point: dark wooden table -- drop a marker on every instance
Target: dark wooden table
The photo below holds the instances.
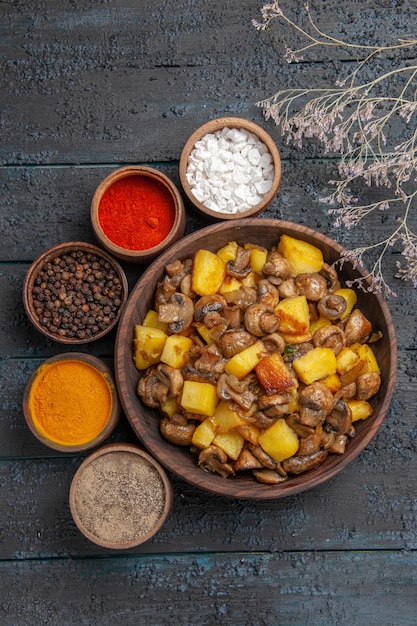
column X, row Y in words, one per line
column 91, row 85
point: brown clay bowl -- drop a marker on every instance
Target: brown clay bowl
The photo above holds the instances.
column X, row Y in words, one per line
column 156, row 177
column 120, row 496
column 48, row 257
column 212, row 127
column 105, row 377
column 145, row 421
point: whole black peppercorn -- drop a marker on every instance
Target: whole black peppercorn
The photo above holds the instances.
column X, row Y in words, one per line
column 68, row 295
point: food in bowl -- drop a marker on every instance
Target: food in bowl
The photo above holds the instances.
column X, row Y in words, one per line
column 74, row 292
column 259, row 360
column 230, row 170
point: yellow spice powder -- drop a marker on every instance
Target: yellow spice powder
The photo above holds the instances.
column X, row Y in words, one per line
column 70, row 402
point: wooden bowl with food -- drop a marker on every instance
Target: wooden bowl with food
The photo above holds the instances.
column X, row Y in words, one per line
column 247, row 365
column 74, row 292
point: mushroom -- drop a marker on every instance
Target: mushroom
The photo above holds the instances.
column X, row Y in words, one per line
column 210, row 360
column 171, row 377
column 329, row 336
column 268, row 476
column 316, row 401
column 340, row 418
column 299, row 464
column 311, row 444
column 276, row 268
column 164, row 291
column 208, row 309
column 339, row 444
column 267, row 293
column 177, row 430
column 178, row 312
column 313, row 286
column 287, row 288
column 331, row 306
column 260, row 320
column 263, row 457
column 331, row 277
column 242, row 297
column 240, row 267
column 246, row 461
column 367, row 385
column 231, row 388
column 177, row 271
column 293, row 421
column 214, row 460
column 150, row 388
column 234, row 340
column 357, row 328
column 274, row 405
column 274, row 343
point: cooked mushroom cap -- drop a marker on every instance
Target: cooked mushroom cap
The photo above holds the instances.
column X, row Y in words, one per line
column 331, row 306
column 300, row 464
column 178, row 312
column 276, row 268
column 235, row 340
column 357, row 328
column 313, row 286
column 260, row 319
column 212, row 459
column 316, row 401
column 367, row 385
column 330, row 336
column 171, row 377
column 177, row 431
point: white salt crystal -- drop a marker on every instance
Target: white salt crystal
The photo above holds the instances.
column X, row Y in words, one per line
column 230, row 170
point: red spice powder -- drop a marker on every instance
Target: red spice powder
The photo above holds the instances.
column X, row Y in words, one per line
column 136, row 212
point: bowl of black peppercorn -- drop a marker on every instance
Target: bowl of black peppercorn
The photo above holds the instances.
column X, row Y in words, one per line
column 74, row 292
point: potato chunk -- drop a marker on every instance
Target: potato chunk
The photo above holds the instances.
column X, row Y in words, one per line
column 204, row 434
column 273, row 374
column 315, row 364
column 293, row 315
column 208, row 273
column 244, row 362
column 148, row 344
column 175, row 351
column 200, row 398
column 279, row 441
column 303, row 257
column 231, row 443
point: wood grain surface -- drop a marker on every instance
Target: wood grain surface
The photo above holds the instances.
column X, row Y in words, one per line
column 90, row 86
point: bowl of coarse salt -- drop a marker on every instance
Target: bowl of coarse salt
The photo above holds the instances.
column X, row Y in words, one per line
column 230, row 168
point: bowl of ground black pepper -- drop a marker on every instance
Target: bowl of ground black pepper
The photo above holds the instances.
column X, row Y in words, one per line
column 136, row 213
column 120, row 496
column 74, row 293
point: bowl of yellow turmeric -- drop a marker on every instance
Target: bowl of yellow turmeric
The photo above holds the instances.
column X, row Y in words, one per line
column 70, row 402
column 249, row 365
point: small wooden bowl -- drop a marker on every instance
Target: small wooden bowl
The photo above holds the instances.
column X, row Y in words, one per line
column 145, row 421
column 120, row 497
column 148, row 254
column 48, row 257
column 212, row 127
column 104, row 432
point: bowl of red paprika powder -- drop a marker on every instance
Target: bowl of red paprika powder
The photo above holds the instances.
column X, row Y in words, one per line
column 136, row 213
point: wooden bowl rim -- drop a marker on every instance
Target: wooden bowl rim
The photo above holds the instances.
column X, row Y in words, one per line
column 211, row 127
column 111, row 449
column 113, row 420
column 45, row 257
column 175, row 233
column 233, row 487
